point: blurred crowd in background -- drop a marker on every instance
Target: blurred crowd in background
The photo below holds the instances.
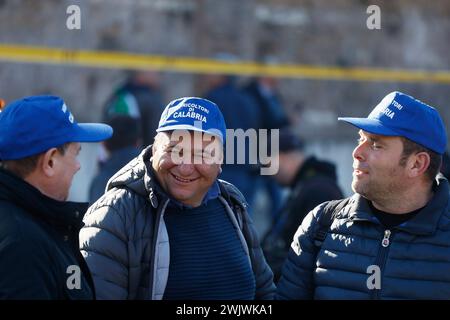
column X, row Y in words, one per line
column 315, row 153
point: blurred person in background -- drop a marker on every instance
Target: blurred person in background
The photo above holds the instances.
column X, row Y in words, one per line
column 310, row 182
column 240, row 112
column 264, row 91
column 39, row 248
column 139, row 97
column 121, row 148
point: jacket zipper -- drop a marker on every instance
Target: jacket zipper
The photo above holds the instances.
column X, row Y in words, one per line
column 381, row 260
column 153, row 247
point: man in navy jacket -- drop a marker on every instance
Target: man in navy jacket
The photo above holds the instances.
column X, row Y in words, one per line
column 391, row 239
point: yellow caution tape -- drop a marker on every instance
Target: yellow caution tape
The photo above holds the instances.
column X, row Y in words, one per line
column 122, row 60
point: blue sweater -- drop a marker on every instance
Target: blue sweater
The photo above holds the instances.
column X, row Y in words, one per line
column 207, row 260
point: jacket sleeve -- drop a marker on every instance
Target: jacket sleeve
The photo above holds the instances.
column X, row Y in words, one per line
column 103, row 243
column 297, row 276
column 265, row 288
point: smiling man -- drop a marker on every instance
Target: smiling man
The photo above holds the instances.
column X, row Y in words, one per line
column 39, row 252
column 167, row 228
column 390, row 239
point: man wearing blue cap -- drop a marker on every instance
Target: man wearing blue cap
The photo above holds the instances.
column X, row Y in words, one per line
column 39, row 253
column 390, row 240
column 167, row 228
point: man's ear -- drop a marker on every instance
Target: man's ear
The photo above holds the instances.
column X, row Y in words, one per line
column 418, row 164
column 47, row 162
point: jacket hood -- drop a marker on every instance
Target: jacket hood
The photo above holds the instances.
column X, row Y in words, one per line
column 136, row 174
column 313, row 167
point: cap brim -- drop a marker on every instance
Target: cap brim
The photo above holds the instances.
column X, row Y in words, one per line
column 92, row 132
column 370, row 125
column 188, row 127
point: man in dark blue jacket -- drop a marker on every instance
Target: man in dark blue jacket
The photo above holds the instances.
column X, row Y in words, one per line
column 390, row 240
column 39, row 255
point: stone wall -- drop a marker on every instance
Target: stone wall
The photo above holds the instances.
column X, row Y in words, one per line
column 414, row 35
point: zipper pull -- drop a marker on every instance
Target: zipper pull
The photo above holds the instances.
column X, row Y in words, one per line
column 385, row 241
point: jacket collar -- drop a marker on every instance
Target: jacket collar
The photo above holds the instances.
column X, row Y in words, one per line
column 425, row 222
column 57, row 213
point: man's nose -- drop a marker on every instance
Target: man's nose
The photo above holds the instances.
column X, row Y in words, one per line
column 359, row 152
column 186, row 169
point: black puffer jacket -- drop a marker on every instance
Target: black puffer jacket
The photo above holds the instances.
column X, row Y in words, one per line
column 314, row 183
column 39, row 255
column 125, row 240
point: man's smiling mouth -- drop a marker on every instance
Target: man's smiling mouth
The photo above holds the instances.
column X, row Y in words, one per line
column 182, row 179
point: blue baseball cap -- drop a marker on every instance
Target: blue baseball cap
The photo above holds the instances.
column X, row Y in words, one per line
column 36, row 124
column 399, row 114
column 192, row 113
